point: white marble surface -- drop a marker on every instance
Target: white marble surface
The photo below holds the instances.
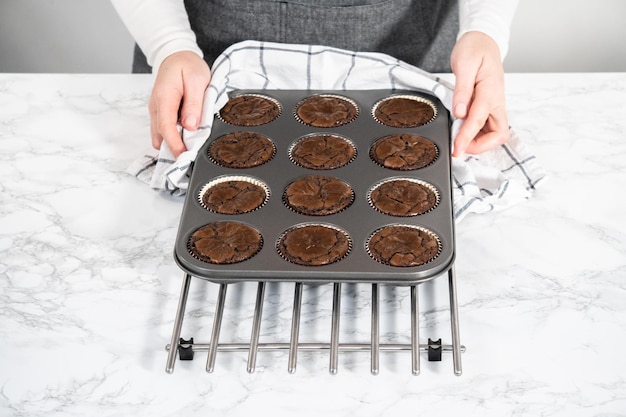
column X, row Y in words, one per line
column 89, row 286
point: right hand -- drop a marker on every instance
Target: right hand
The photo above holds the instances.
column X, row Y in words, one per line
column 183, row 78
column 479, row 94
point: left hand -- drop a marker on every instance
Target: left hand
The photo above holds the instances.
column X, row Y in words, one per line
column 478, row 94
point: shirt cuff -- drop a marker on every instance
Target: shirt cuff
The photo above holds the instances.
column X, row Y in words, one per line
column 168, row 48
column 160, row 28
column 491, row 17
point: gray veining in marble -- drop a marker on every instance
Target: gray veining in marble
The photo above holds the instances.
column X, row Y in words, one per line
column 89, row 288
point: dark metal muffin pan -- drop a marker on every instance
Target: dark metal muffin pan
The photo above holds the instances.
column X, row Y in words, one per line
column 360, row 220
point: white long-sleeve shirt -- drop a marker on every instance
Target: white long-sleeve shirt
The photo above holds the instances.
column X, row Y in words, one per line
column 161, row 27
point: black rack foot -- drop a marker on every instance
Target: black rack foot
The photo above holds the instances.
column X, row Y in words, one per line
column 185, row 349
column 434, row 350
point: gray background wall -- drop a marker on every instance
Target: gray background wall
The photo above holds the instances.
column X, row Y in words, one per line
column 86, row 36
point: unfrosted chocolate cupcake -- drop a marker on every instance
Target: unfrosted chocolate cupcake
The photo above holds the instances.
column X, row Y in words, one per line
column 314, row 245
column 404, row 152
column 404, row 111
column 325, row 110
column 403, row 246
column 318, row 195
column 233, row 195
column 242, row 150
column 250, row 110
column 321, row 151
column 404, row 197
column 224, row 243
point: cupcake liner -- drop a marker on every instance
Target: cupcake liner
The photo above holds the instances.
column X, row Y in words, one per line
column 310, row 136
column 409, row 97
column 273, row 100
column 287, row 258
column 401, row 251
column 302, row 212
column 409, row 179
column 227, row 178
column 340, row 97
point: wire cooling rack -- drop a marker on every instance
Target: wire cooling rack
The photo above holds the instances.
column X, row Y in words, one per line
column 186, row 349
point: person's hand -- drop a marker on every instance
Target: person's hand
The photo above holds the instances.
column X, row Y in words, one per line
column 478, row 94
column 182, row 78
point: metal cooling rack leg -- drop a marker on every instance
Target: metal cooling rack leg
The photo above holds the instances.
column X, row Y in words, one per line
column 374, row 367
column 334, row 336
column 178, row 324
column 415, row 345
column 256, row 327
column 454, row 319
column 217, row 325
column 295, row 328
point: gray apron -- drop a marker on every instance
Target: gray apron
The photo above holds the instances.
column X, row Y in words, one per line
column 420, row 32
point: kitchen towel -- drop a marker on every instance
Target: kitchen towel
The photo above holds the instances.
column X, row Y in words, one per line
column 491, row 181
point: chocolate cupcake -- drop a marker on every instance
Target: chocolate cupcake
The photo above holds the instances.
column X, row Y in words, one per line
column 224, row 243
column 317, row 195
column 233, row 195
column 325, row 110
column 404, row 111
column 314, row 245
column 250, row 110
column 404, row 152
column 242, row 150
column 403, row 197
column 403, row 246
column 321, row 151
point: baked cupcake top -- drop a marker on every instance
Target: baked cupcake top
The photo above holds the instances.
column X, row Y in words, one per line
column 326, row 110
column 250, row 110
column 404, row 152
column 314, row 245
column 403, row 197
column 322, row 151
column 318, row 195
column 403, row 246
column 233, row 195
column 224, row 242
column 404, row 111
column 241, row 150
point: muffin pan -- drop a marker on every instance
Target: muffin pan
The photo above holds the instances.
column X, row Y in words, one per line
column 359, row 221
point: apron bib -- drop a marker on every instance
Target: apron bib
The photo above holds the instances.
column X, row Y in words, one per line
column 419, row 32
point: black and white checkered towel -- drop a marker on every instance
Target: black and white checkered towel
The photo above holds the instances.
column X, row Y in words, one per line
column 488, row 182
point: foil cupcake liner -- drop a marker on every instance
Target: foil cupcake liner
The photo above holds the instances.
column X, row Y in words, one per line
column 273, row 100
column 311, row 136
column 227, row 178
column 340, row 97
column 407, row 226
column 304, row 225
column 249, row 256
column 295, row 210
column 413, row 180
column 409, row 97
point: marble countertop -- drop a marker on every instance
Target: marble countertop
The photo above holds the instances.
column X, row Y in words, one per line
column 89, row 286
